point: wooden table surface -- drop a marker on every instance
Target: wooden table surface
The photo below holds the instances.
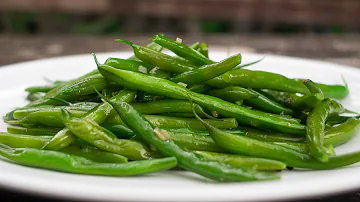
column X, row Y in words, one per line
column 342, row 49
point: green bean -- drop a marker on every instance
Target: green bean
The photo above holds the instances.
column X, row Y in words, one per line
column 204, row 49
column 186, row 160
column 164, row 106
column 239, row 161
column 199, row 88
column 20, row 113
column 72, row 90
column 194, row 141
column 334, row 91
column 199, row 132
column 177, row 122
column 161, row 60
column 315, row 126
column 269, row 136
column 342, row 133
column 20, row 140
column 163, row 87
column 303, row 148
column 250, row 63
column 313, row 88
column 49, row 118
column 207, row 72
column 98, row 114
column 157, row 72
column 94, row 154
column 34, row 96
column 238, row 144
column 121, row 131
column 334, row 136
column 182, row 50
column 55, row 160
column 260, row 79
column 104, row 139
column 283, row 98
column 86, row 86
column 32, row 131
column 233, row 93
column 39, row 89
column 266, row 104
column 307, row 102
column 130, row 65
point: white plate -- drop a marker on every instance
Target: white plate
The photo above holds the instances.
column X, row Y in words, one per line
column 174, row 185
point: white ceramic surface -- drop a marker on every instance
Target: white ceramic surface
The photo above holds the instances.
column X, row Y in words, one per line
column 174, row 185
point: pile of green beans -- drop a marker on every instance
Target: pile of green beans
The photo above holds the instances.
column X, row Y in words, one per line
column 155, row 111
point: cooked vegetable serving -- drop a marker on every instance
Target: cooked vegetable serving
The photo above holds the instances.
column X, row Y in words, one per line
column 155, row 111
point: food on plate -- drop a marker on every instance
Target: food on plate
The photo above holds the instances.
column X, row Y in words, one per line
column 154, row 111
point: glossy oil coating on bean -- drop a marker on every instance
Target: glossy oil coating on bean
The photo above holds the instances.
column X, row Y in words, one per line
column 170, row 89
column 103, row 139
column 246, row 146
column 64, row 137
column 60, row 161
column 239, row 161
column 182, row 50
column 232, row 93
column 261, row 79
column 315, row 127
column 263, row 103
column 207, row 72
column 33, row 131
column 158, row 59
column 177, row 122
column 186, row 160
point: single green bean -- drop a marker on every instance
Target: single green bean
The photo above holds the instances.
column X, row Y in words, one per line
column 60, row 161
column 32, row 131
column 195, row 141
column 263, row 80
column 233, row 93
column 207, row 72
column 239, row 161
column 204, row 49
column 342, row 133
column 315, row 126
column 94, row 154
column 199, row 88
column 20, row 113
column 85, row 86
column 177, row 122
column 313, row 88
column 182, row 50
column 307, row 102
column 334, row 91
column 49, row 118
column 39, row 89
column 34, row 96
column 263, row 103
column 22, row 141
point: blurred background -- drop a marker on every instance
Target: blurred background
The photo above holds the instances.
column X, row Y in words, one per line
column 321, row 29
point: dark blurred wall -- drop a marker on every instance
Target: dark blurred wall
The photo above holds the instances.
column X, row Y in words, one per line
column 179, row 16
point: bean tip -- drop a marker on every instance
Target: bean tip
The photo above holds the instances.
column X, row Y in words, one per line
column 125, row 41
